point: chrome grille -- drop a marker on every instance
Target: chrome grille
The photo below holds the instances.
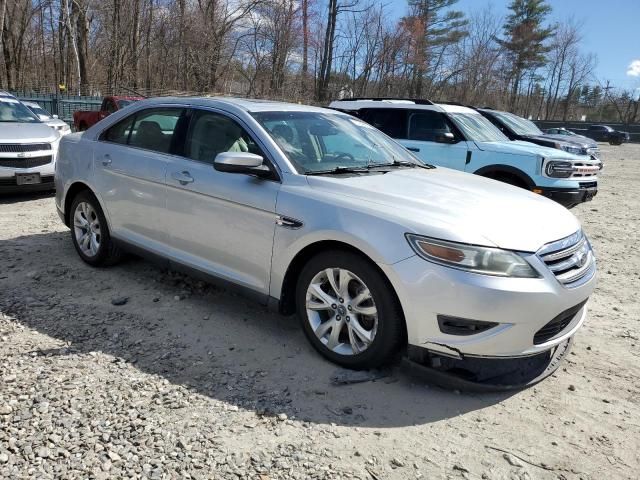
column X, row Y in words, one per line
column 25, row 162
column 23, row 147
column 571, row 259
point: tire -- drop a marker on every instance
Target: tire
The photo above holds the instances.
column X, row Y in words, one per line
column 366, row 291
column 82, row 127
column 509, row 180
column 99, row 250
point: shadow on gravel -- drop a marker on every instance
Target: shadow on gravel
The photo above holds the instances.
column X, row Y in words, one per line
column 211, row 341
column 8, row 199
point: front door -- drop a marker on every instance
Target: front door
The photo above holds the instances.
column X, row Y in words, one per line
column 425, row 126
column 220, row 223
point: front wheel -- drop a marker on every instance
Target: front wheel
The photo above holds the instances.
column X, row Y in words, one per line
column 348, row 311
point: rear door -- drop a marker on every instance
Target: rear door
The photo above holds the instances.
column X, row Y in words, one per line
column 425, row 129
column 221, row 223
column 130, row 165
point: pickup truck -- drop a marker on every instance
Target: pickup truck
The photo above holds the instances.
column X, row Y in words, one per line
column 83, row 119
column 605, row 133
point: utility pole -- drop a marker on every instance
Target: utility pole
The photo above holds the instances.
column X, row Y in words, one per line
column 606, row 94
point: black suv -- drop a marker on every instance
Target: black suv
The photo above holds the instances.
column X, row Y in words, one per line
column 604, row 133
column 518, row 128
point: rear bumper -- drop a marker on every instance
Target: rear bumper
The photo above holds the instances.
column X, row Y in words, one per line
column 570, row 197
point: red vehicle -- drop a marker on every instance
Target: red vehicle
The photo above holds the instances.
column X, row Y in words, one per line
column 83, row 119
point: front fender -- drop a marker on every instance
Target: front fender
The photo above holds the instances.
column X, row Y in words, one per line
column 381, row 240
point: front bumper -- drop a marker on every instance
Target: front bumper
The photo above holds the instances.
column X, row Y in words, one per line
column 569, row 197
column 9, row 185
column 520, row 306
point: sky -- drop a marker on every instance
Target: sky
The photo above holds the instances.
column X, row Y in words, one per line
column 611, row 31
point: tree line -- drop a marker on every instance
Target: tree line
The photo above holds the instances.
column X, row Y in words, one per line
column 309, row 51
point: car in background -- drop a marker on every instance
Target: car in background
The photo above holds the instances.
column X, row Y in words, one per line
column 459, row 137
column 52, row 120
column 605, row 133
column 565, row 132
column 316, row 212
column 518, row 128
column 83, row 119
column 28, row 148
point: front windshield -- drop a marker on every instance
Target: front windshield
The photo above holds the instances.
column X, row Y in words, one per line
column 519, row 125
column 477, row 128
column 318, row 141
column 11, row 110
column 41, row 112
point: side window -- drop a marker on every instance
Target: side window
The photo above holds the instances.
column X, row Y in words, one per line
column 211, row 133
column 392, row 121
column 109, row 106
column 154, row 129
column 426, row 125
column 118, row 133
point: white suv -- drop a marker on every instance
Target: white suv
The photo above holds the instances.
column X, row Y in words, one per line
column 28, row 148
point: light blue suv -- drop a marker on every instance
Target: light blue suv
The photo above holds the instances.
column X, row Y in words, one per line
column 461, row 138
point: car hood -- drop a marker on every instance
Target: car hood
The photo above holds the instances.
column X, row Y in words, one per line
column 456, row 206
column 519, row 147
column 563, row 139
column 26, row 132
column 573, row 140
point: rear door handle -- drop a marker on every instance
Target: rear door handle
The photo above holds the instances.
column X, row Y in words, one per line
column 182, row 177
column 106, row 160
column 413, row 149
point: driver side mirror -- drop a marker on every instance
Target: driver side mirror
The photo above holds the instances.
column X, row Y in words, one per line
column 446, row 137
column 241, row 162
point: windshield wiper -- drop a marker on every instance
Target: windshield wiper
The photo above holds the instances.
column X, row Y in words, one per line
column 338, row 170
column 401, row 163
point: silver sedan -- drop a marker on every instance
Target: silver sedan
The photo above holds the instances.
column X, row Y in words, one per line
column 317, row 213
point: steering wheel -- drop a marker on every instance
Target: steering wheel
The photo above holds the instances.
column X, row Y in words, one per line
column 348, row 156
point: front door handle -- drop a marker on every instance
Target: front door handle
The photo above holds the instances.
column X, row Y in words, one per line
column 106, row 160
column 182, row 177
column 413, row 149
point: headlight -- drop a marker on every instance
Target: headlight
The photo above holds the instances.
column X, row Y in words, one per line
column 559, row 169
column 570, row 149
column 484, row 260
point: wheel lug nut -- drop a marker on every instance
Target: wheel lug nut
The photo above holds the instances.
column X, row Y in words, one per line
column 347, row 319
column 342, row 300
column 349, row 308
column 338, row 317
column 334, row 306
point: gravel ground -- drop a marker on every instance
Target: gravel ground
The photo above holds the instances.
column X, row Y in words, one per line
column 134, row 372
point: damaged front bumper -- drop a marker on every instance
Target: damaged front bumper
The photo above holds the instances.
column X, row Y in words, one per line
column 508, row 318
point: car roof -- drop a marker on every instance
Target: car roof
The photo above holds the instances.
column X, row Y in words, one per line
column 238, row 104
column 6, row 95
column 399, row 103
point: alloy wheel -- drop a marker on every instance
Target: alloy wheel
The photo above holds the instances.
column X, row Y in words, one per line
column 86, row 228
column 341, row 311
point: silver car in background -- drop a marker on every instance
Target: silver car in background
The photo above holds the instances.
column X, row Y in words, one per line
column 28, row 148
column 315, row 212
column 52, row 120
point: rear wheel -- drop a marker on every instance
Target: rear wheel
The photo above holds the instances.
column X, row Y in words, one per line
column 348, row 311
column 90, row 233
